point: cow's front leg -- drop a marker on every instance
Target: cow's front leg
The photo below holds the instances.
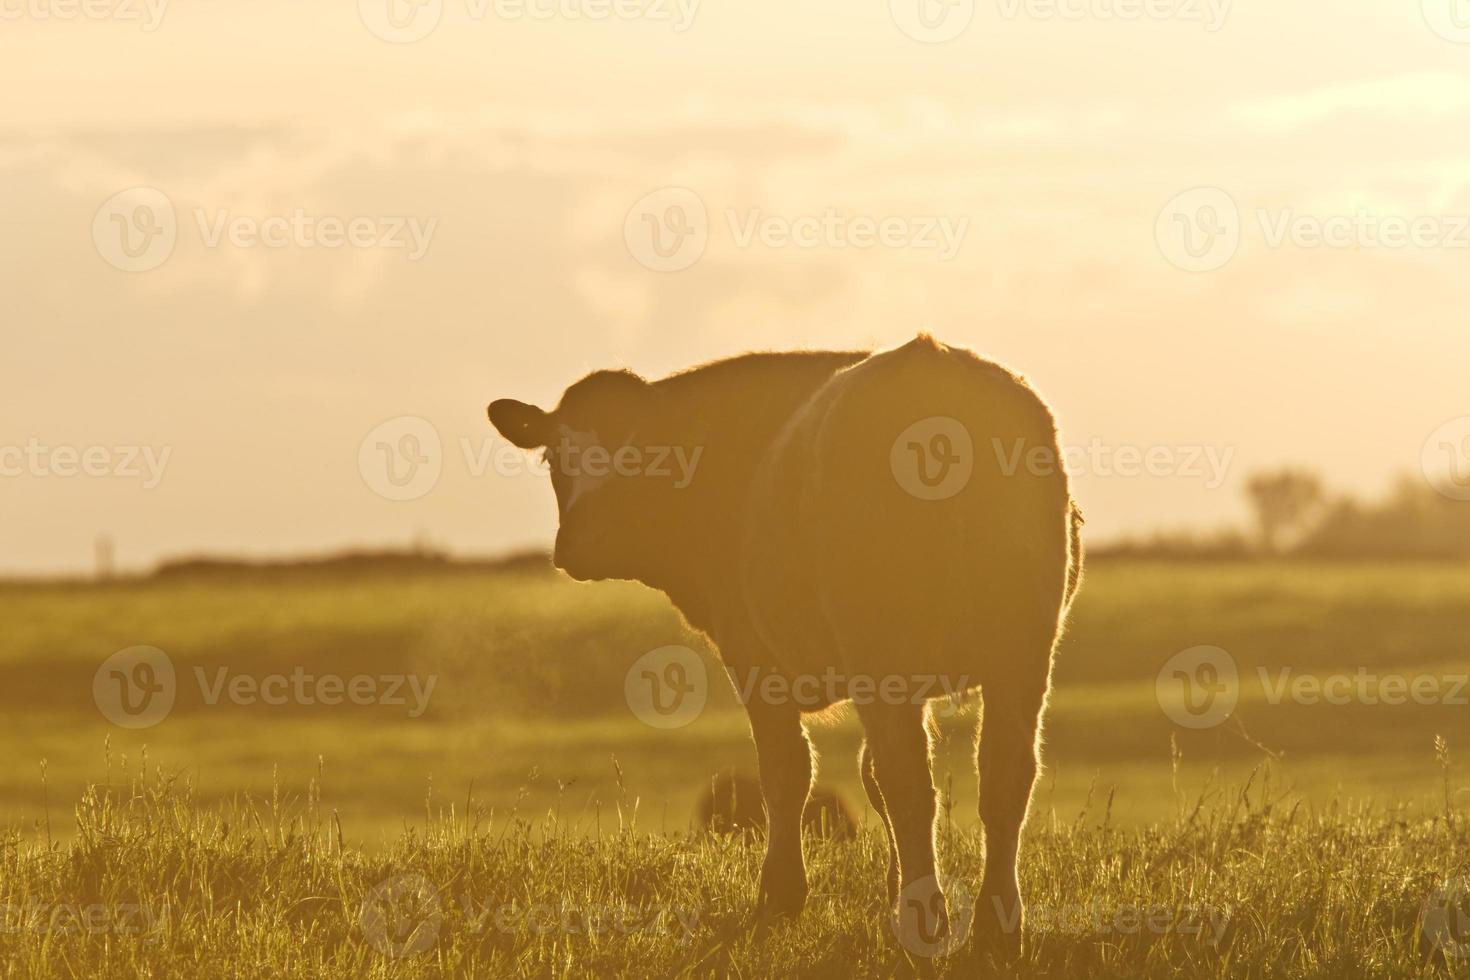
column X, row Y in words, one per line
column 785, row 758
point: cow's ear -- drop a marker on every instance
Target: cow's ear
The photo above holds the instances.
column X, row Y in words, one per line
column 524, row 425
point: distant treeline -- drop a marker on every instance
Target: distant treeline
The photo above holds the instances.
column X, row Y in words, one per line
column 1295, row 516
column 360, row 561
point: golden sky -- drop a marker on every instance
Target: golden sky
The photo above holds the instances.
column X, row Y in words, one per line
column 1204, row 229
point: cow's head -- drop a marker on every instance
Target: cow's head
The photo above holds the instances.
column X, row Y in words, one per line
column 612, row 466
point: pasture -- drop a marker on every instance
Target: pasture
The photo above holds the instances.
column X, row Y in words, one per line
column 154, row 886
column 1321, row 822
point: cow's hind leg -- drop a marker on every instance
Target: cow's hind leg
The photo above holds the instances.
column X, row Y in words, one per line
column 1007, row 761
column 785, row 758
column 875, row 797
column 898, row 739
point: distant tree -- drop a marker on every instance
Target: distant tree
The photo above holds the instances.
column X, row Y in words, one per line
column 1413, row 520
column 1284, row 502
column 1222, row 544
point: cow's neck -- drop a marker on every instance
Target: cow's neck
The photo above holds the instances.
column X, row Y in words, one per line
column 732, row 411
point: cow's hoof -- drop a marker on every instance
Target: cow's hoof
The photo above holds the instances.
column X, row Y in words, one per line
column 781, row 906
column 921, row 920
column 995, row 936
column 783, row 892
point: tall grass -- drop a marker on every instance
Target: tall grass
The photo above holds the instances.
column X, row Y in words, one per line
column 1242, row 882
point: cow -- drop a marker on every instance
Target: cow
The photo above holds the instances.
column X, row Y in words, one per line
column 873, row 528
column 731, row 804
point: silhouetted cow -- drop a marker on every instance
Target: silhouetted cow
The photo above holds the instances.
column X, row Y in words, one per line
column 731, row 804
column 876, row 528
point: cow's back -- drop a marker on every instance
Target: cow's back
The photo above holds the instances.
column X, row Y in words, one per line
column 869, row 550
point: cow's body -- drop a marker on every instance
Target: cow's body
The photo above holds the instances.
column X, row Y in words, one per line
column 844, row 569
column 808, row 552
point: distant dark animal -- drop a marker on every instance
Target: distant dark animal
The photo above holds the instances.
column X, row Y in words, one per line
column 879, row 529
column 731, row 803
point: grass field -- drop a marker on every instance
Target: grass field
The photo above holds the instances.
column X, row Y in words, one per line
column 152, row 885
column 527, row 708
column 527, row 787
